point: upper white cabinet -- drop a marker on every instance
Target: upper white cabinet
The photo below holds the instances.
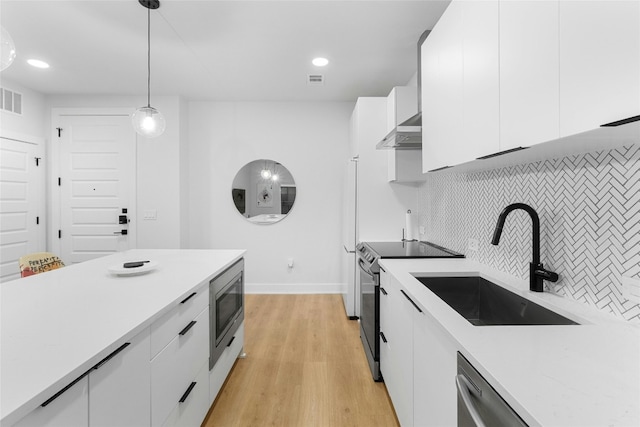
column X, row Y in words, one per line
column 402, row 165
column 498, row 75
column 599, row 63
column 529, row 78
column 460, row 85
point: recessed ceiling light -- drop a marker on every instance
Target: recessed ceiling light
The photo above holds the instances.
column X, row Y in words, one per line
column 37, row 63
column 320, row 62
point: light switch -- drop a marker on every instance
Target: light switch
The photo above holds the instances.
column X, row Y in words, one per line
column 472, row 245
column 150, row 215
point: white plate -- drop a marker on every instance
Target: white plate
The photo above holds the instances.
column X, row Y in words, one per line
column 119, row 270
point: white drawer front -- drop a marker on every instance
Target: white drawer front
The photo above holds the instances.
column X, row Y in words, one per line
column 173, row 369
column 192, row 411
column 221, row 369
column 167, row 327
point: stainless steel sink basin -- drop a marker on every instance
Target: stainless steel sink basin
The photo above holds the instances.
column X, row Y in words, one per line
column 484, row 303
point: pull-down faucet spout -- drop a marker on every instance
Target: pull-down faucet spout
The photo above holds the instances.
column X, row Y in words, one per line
column 537, row 273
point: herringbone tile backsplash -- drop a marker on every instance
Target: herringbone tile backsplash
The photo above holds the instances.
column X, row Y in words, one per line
column 589, row 208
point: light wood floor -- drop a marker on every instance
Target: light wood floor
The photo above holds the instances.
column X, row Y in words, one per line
column 305, row 366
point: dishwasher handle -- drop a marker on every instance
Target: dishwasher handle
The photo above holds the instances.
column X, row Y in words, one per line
column 464, row 396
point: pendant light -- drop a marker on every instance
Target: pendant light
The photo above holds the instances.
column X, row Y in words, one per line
column 7, row 49
column 147, row 121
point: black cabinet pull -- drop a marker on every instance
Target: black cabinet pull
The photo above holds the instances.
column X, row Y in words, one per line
column 97, row 366
column 67, row 387
column 187, row 298
column 232, row 339
column 112, row 355
column 411, row 301
column 384, row 339
column 384, row 292
column 186, row 393
column 382, row 268
column 186, row 328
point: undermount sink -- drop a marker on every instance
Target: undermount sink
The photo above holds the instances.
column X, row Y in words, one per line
column 484, row 303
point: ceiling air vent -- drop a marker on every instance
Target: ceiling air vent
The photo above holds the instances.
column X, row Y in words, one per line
column 10, row 101
column 315, row 79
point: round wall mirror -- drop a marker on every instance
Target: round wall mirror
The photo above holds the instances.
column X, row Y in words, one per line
column 263, row 191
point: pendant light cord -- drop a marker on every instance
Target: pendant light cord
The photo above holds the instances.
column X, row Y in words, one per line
column 148, row 57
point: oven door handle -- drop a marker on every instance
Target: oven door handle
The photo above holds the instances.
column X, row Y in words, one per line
column 365, row 270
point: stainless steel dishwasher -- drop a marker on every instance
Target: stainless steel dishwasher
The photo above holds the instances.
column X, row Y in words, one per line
column 479, row 405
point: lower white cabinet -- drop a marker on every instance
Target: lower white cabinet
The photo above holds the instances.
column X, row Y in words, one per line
column 417, row 360
column 119, row 388
column 193, row 405
column 434, row 370
column 70, row 409
column 221, row 369
column 396, row 348
column 177, row 365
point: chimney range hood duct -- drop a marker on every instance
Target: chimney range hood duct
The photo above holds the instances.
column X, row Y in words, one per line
column 408, row 134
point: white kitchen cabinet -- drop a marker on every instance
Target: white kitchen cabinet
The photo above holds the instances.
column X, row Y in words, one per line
column 403, row 165
column 481, row 81
column 460, row 85
column 119, row 386
column 434, row 370
column 599, row 63
column 529, row 73
column 221, row 369
column 70, row 409
column 175, row 367
column 194, row 403
column 396, row 348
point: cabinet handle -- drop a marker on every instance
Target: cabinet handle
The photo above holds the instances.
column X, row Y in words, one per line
column 232, row 339
column 384, row 339
column 112, row 355
column 384, row 292
column 67, row 387
column 411, row 301
column 187, row 298
column 186, row 328
column 382, row 268
column 186, row 393
column 621, row 122
column 500, row 153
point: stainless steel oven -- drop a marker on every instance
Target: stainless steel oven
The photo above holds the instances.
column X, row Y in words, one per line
column 226, row 309
column 368, row 254
column 369, row 272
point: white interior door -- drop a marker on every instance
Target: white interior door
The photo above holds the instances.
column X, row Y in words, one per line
column 21, row 204
column 97, row 159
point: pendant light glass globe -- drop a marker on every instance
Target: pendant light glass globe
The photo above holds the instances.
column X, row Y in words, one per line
column 148, row 122
column 265, row 173
column 7, row 49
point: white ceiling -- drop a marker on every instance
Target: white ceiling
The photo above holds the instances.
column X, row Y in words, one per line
column 218, row 50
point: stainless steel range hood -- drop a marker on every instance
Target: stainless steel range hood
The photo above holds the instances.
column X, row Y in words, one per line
column 408, row 134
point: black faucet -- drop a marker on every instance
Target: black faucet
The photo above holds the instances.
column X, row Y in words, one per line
column 537, row 273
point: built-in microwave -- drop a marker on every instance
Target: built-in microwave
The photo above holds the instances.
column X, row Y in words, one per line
column 226, row 309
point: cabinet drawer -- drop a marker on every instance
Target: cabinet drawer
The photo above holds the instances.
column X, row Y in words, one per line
column 194, row 408
column 167, row 327
column 221, row 369
column 173, row 369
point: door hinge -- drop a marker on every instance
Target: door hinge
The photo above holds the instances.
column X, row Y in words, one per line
column 59, row 234
column 59, row 132
column 37, row 160
column 59, row 181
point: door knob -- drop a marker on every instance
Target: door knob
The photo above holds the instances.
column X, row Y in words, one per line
column 122, row 219
column 123, row 232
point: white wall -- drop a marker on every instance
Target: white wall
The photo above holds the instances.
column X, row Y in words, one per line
column 32, row 120
column 311, row 140
column 158, row 165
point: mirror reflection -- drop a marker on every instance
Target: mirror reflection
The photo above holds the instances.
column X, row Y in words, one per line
column 264, row 191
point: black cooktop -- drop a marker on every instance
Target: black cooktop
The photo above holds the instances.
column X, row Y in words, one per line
column 412, row 249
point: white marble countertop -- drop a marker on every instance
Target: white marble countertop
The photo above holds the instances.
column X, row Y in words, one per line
column 57, row 325
column 579, row 375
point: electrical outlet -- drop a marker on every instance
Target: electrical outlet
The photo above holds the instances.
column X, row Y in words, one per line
column 472, row 245
column 290, row 262
column 631, row 288
column 150, row 214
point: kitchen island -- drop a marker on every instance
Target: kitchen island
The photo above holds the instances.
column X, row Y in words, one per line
column 59, row 325
column 562, row 375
